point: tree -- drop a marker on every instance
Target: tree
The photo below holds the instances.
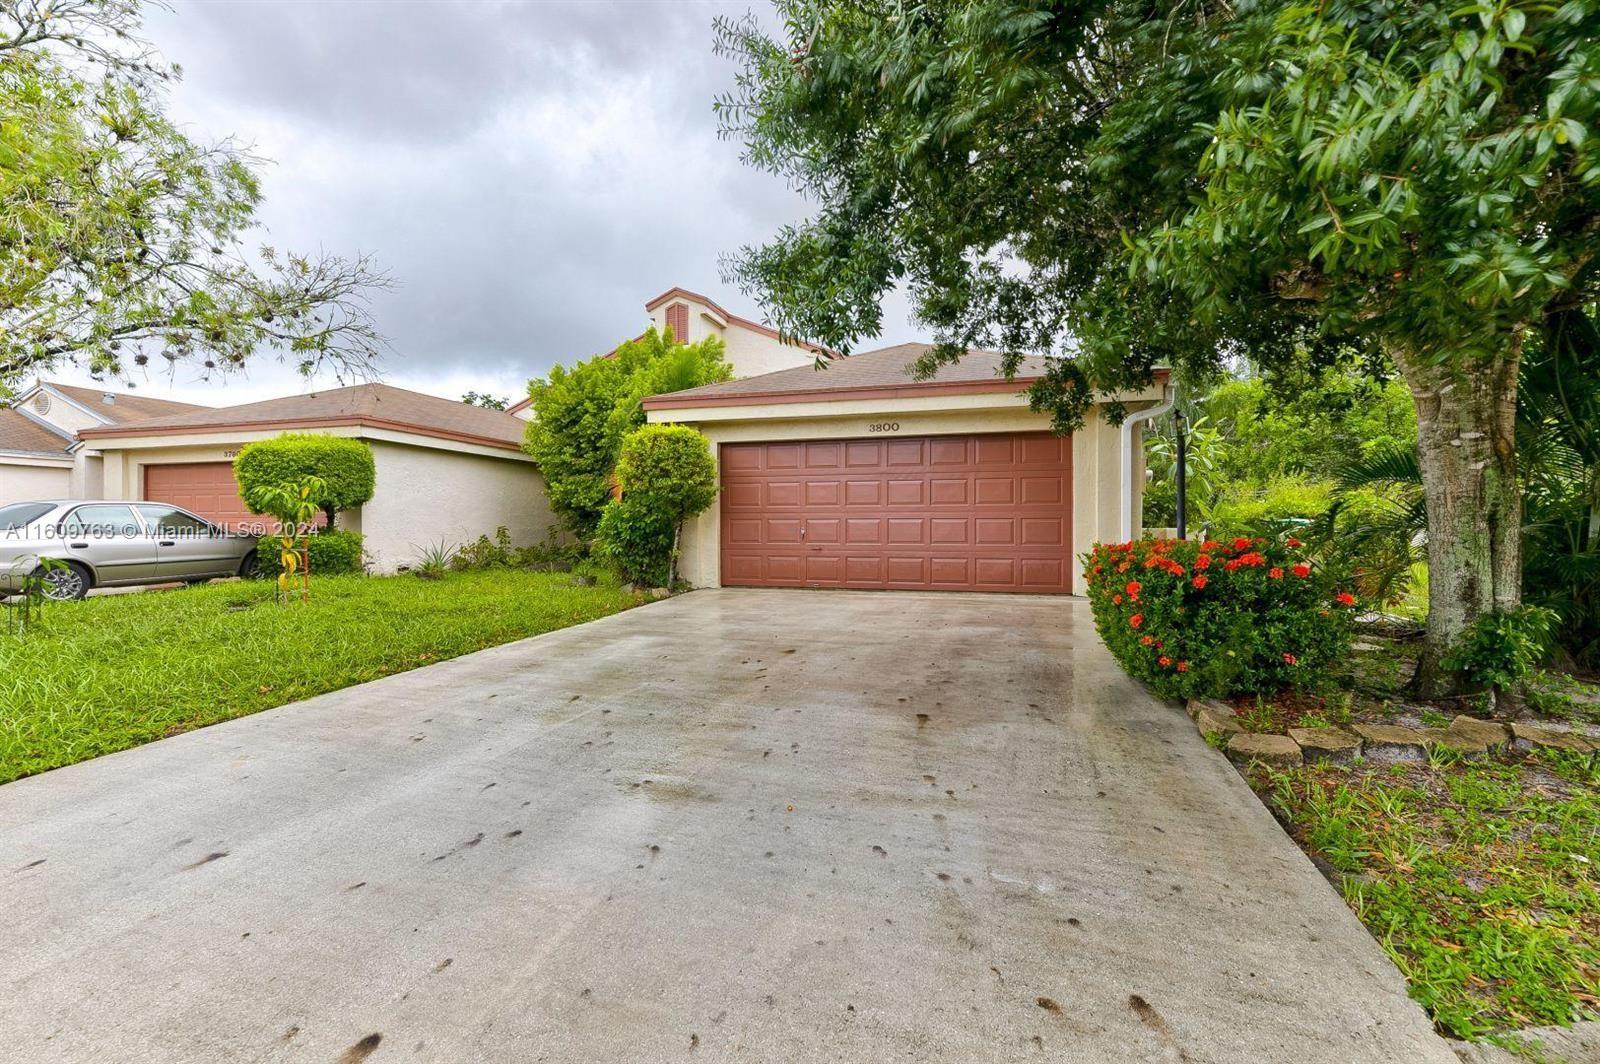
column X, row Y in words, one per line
column 580, row 415
column 485, row 400
column 342, row 469
column 122, row 239
column 666, row 475
column 1126, row 185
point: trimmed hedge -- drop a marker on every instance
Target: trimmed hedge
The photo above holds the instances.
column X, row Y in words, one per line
column 345, row 466
column 332, row 551
column 1209, row 619
column 636, row 538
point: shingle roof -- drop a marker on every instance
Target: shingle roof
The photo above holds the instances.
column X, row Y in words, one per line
column 888, row 367
column 19, row 432
column 125, row 406
column 377, row 405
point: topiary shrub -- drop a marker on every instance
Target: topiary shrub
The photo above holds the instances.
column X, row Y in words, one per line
column 344, row 465
column 666, row 475
column 331, row 551
column 1204, row 619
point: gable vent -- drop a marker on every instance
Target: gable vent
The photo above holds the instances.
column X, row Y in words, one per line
column 678, row 322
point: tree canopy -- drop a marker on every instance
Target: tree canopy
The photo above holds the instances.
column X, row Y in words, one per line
column 123, row 239
column 580, row 415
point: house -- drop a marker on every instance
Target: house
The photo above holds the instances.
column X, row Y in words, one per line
column 855, row 474
column 446, row 471
column 40, row 455
column 750, row 347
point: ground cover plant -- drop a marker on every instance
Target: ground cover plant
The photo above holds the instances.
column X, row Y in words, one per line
column 110, row 673
column 1480, row 879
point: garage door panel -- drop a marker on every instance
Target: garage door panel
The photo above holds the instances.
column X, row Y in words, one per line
column 205, row 488
column 986, row 512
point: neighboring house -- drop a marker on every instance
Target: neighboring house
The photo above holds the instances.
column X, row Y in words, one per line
column 750, row 347
column 40, row 456
column 446, row 471
column 858, row 475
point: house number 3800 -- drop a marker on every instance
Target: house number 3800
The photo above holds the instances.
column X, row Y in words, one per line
column 884, row 426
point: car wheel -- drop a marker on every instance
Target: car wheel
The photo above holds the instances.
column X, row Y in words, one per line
column 250, row 568
column 66, row 583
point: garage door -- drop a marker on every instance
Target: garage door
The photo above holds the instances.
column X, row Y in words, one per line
column 207, row 488
column 942, row 513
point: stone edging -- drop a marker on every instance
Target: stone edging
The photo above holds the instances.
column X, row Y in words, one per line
column 1378, row 742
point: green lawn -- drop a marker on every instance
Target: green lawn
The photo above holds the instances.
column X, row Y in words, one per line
column 1480, row 879
column 109, row 673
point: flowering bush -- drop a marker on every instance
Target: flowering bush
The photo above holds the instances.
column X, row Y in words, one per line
column 1200, row 619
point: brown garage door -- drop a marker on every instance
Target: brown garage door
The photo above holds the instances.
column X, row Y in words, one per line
column 207, row 488
column 945, row 513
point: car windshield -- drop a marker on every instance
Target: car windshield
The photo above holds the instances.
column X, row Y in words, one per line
column 19, row 515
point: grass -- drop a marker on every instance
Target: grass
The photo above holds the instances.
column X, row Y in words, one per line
column 1480, row 879
column 111, row 673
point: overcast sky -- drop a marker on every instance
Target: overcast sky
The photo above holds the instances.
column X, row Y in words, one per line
column 529, row 173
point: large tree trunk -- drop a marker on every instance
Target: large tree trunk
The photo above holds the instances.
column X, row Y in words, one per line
column 1466, row 446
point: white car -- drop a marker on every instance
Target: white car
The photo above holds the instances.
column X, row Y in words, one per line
column 112, row 543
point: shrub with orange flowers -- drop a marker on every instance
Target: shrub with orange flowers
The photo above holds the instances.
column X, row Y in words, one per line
column 1198, row 619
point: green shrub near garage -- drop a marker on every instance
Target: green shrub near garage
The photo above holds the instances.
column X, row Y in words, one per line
column 344, row 465
column 332, row 550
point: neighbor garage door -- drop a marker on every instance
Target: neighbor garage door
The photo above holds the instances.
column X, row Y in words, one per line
column 207, row 488
column 944, row 513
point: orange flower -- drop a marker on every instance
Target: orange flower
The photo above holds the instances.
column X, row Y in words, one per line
column 1116, row 600
column 1183, row 666
column 1146, row 640
column 1290, row 659
column 1302, row 569
column 1292, row 542
column 1136, row 620
column 1241, row 543
column 1203, row 562
column 1133, row 588
column 1344, row 598
column 1163, row 660
column 1199, row 581
column 1275, row 572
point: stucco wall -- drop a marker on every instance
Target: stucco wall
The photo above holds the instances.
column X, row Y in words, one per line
column 749, row 352
column 1096, row 484
column 21, row 482
column 426, row 496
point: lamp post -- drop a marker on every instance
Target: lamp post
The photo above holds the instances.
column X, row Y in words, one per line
column 1182, row 471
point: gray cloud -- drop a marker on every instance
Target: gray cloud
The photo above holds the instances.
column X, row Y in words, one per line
column 529, row 173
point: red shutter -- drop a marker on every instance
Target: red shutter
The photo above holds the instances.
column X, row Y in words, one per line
column 678, row 322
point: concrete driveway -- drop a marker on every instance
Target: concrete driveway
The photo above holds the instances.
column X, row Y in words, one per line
column 736, row 825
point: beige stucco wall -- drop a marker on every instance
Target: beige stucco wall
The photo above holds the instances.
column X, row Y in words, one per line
column 749, row 352
column 427, row 490
column 64, row 413
column 24, row 480
column 426, row 496
column 1096, row 449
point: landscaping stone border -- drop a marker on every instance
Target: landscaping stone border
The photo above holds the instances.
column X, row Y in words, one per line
column 1378, row 742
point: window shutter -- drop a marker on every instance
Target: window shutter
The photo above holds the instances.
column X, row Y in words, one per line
column 678, row 322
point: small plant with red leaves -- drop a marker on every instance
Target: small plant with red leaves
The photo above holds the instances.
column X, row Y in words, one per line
column 1211, row 619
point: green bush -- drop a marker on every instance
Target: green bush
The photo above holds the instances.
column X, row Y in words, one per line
column 1500, row 649
column 1278, row 504
column 344, row 465
column 331, row 550
column 1200, row 619
column 666, row 474
column 637, row 539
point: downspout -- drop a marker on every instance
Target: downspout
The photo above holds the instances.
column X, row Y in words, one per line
column 1168, row 399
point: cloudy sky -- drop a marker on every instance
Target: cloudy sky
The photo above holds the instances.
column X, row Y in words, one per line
column 529, row 173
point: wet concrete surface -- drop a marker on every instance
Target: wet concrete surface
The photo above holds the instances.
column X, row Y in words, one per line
column 734, row 825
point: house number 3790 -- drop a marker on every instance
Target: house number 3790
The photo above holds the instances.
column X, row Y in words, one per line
column 884, row 426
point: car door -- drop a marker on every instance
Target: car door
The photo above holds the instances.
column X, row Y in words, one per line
column 110, row 539
column 187, row 547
